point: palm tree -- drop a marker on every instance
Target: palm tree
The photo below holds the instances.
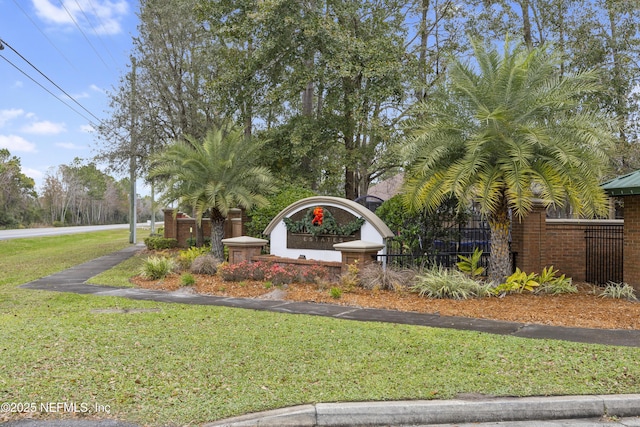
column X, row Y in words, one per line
column 215, row 174
column 504, row 131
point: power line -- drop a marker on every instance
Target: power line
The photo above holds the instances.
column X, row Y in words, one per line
column 94, row 29
column 43, row 33
column 83, row 34
column 109, row 128
column 48, row 79
column 39, row 84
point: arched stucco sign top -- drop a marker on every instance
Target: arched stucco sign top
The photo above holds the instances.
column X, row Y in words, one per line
column 374, row 229
column 347, row 204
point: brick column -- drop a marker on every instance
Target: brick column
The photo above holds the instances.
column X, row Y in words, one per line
column 631, row 245
column 234, row 223
column 357, row 251
column 527, row 239
column 243, row 248
column 170, row 224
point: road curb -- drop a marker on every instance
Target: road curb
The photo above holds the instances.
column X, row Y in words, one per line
column 399, row 413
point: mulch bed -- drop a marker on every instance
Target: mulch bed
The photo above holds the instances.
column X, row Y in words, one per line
column 584, row 309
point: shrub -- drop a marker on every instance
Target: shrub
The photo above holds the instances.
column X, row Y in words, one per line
column 335, row 293
column 155, row 267
column 205, row 264
column 440, row 282
column 619, row 291
column 192, row 241
column 312, row 274
column 158, row 242
column 554, row 285
column 281, row 274
column 277, row 274
column 374, row 276
column 416, row 231
column 350, row 279
column 235, row 272
column 517, row 282
column 257, row 270
column 259, row 218
column 187, row 279
column 469, row 265
column 186, row 257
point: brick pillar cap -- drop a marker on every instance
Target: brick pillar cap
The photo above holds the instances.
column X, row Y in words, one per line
column 244, row 241
column 358, row 246
column 538, row 203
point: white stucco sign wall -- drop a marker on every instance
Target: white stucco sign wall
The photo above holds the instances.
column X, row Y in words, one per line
column 286, row 244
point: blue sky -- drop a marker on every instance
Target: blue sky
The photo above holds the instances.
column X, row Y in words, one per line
column 83, row 46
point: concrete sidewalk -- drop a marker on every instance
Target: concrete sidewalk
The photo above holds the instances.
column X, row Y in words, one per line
column 532, row 411
column 73, row 280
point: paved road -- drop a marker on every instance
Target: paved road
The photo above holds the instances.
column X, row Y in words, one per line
column 57, row 231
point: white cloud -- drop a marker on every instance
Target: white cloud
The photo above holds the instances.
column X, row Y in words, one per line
column 45, row 128
column 96, row 88
column 87, row 128
column 8, row 115
column 103, row 16
column 33, row 173
column 70, row 146
column 16, row 143
column 81, row 95
column 51, row 13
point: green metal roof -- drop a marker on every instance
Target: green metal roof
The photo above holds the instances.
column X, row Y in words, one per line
column 626, row 185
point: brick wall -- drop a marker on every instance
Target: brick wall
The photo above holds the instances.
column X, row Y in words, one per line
column 181, row 227
column 526, row 239
column 566, row 248
column 334, row 268
column 540, row 242
column 631, row 248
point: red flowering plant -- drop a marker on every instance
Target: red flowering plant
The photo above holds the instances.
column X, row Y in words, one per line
column 235, row 272
column 244, row 270
column 313, row 273
column 279, row 274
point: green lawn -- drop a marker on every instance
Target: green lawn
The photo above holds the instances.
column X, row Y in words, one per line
column 188, row 365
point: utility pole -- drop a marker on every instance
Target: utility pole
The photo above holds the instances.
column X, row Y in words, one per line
column 132, row 158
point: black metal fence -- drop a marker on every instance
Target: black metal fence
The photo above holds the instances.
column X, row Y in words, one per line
column 604, row 254
column 443, row 250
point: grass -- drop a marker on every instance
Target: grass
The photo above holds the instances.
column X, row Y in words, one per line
column 189, row 364
column 119, row 275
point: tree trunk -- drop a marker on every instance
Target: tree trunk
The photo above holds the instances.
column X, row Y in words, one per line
column 620, row 106
column 500, row 260
column 422, row 60
column 349, row 134
column 199, row 235
column 526, row 24
column 307, row 95
column 217, row 234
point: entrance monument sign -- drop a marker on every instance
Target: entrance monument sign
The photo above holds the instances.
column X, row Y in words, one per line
column 311, row 227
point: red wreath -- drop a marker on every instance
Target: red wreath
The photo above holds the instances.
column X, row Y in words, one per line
column 318, row 214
